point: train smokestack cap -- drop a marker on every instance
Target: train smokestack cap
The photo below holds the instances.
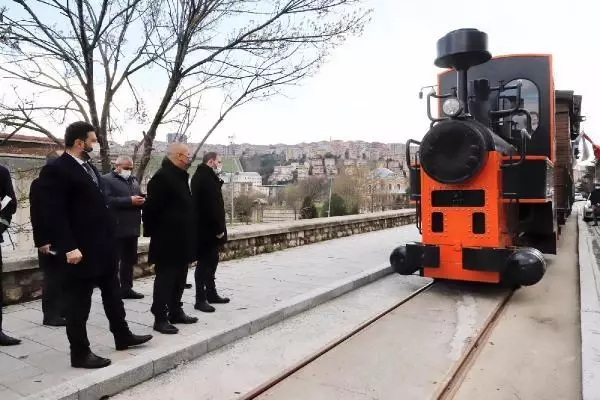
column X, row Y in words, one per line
column 462, row 49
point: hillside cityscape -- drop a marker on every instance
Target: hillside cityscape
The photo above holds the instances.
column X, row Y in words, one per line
column 283, row 163
column 262, row 183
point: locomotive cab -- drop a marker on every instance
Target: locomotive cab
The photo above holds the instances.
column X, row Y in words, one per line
column 483, row 179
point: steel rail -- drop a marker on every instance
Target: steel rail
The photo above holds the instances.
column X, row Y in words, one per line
column 301, row 364
column 448, row 388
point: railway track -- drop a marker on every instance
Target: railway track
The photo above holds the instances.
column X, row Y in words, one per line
column 444, row 390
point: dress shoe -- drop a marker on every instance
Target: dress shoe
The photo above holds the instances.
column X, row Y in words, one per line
column 131, row 294
column 204, row 306
column 89, row 361
column 55, row 321
column 7, row 340
column 179, row 317
column 131, row 340
column 165, row 327
column 216, row 299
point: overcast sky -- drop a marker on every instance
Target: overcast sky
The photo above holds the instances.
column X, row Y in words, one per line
column 368, row 89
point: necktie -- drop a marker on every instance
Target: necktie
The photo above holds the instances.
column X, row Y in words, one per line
column 90, row 172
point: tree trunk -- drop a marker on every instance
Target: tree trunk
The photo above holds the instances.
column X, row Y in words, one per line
column 103, row 132
column 158, row 117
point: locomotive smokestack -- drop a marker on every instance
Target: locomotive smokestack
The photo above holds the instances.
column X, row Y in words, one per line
column 462, row 49
column 462, row 89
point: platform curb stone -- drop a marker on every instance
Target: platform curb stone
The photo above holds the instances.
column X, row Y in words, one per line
column 128, row 373
column 589, row 286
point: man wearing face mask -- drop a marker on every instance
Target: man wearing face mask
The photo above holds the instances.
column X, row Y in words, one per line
column 125, row 200
column 82, row 230
column 212, row 232
column 168, row 221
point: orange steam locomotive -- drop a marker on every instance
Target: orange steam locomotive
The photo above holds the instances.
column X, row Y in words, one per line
column 492, row 179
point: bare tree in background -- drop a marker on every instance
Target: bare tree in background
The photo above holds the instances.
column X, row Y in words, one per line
column 313, row 187
column 245, row 50
column 65, row 50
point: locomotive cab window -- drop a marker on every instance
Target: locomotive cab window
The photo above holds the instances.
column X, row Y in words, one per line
column 530, row 101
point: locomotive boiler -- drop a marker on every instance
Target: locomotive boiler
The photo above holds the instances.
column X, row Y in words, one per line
column 491, row 177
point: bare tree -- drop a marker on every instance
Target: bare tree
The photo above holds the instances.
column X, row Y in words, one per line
column 244, row 49
column 349, row 187
column 313, row 187
column 53, row 49
column 293, row 198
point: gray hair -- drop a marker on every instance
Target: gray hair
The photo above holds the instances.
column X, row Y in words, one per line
column 122, row 159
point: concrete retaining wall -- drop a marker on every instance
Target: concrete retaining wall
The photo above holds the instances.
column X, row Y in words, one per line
column 23, row 279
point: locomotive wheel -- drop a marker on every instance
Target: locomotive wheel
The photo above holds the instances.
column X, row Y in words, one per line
column 398, row 262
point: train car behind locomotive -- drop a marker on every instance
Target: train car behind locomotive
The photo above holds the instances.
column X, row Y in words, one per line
column 493, row 175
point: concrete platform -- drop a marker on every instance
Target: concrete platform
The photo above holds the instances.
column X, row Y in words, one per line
column 534, row 350
column 589, row 283
column 264, row 289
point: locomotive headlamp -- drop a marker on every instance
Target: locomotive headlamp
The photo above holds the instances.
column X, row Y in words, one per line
column 452, row 107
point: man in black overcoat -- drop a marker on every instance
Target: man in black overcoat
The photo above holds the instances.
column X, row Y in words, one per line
column 168, row 221
column 83, row 231
column 595, row 202
column 125, row 200
column 10, row 208
column 50, row 263
column 212, row 232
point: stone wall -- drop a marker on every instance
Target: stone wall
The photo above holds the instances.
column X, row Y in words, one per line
column 23, row 279
column 272, row 214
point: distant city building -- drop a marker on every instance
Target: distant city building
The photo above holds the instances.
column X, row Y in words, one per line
column 174, row 137
column 27, row 145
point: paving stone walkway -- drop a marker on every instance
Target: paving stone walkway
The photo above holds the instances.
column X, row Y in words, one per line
column 254, row 284
column 589, row 284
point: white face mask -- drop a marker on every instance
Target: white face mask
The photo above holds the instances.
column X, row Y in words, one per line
column 125, row 173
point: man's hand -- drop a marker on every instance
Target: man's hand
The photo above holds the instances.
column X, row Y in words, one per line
column 45, row 249
column 74, row 257
column 3, row 225
column 220, row 235
column 137, row 200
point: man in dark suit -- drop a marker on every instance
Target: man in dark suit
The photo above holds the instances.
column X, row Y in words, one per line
column 168, row 221
column 595, row 202
column 51, row 265
column 83, row 230
column 212, row 232
column 125, row 200
column 6, row 190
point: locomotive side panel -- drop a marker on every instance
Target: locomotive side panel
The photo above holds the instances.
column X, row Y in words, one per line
column 563, row 160
column 568, row 117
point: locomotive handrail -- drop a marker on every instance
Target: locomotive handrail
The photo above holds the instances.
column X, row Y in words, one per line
column 408, row 143
column 506, row 113
column 529, row 127
column 441, row 96
column 524, row 136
